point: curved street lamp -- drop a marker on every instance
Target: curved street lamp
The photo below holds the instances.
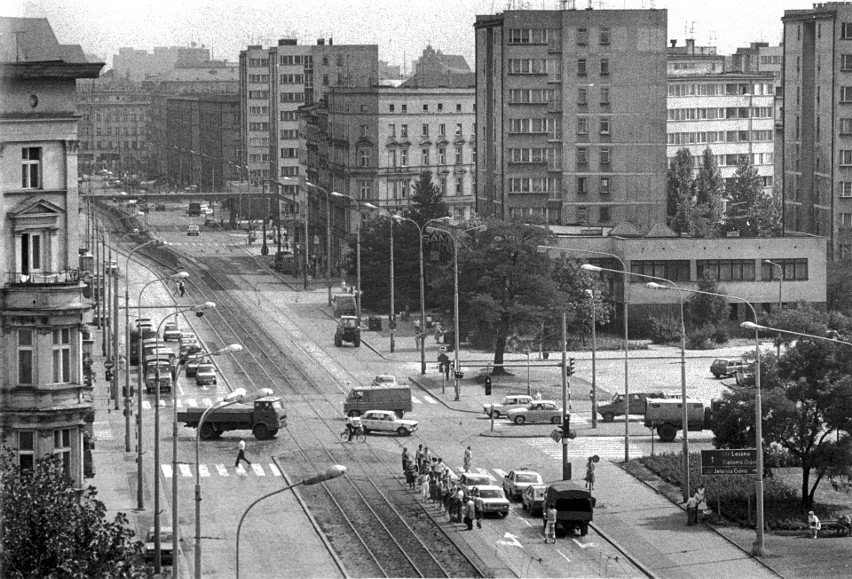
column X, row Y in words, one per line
column 357, row 253
column 327, row 235
column 331, row 472
column 422, row 290
column 238, row 395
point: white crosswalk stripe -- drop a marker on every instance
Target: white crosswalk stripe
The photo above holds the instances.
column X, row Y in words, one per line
column 146, row 405
column 185, row 470
column 241, row 470
column 220, row 468
column 586, row 447
column 274, row 469
column 192, row 403
column 167, row 470
column 207, row 402
column 429, row 399
column 258, row 470
column 416, row 400
column 203, row 470
column 179, row 403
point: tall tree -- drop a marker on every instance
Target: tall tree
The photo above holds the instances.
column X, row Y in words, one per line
column 839, row 286
column 709, row 189
column 768, row 216
column 680, row 192
column 427, row 200
column 704, row 309
column 746, row 190
column 50, row 530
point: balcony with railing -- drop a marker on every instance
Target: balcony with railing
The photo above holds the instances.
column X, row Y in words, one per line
column 44, row 278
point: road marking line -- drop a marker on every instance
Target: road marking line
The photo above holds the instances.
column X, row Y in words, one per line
column 563, row 555
column 429, row 399
column 203, row 470
column 207, row 402
column 258, row 470
column 192, row 403
column 220, row 468
column 167, row 470
column 185, row 470
column 416, row 400
column 241, row 471
column 274, row 469
column 179, row 403
column 146, row 405
column 162, row 403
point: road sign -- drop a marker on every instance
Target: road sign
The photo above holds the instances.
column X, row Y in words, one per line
column 729, row 461
column 442, row 349
column 109, row 364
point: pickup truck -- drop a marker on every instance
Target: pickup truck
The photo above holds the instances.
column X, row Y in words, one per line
column 615, row 407
column 387, row 421
column 263, row 418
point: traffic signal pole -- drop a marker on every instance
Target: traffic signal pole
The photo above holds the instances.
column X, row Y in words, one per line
column 566, row 420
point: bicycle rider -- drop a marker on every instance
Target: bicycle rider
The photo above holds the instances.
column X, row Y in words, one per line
column 354, row 426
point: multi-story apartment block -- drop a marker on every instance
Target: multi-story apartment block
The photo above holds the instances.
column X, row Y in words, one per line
column 732, row 113
column 817, row 123
column 44, row 402
column 571, row 116
column 690, row 59
column 378, row 140
column 113, row 126
column 276, row 81
column 134, row 65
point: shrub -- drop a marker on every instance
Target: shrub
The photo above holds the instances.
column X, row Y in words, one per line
column 665, row 329
column 720, row 334
column 700, row 338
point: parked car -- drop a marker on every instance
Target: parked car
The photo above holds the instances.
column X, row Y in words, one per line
column 493, row 500
column 468, row 480
column 188, row 348
column 192, row 230
column 171, row 333
column 205, row 375
column 166, row 554
column 387, row 421
column 517, row 481
column 509, row 402
column 722, row 368
column 615, row 407
column 384, row 380
column 186, row 337
column 532, row 499
column 536, row 411
column 191, row 368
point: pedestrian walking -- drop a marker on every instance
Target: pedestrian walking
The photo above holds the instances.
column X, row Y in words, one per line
column 241, row 454
column 461, row 500
column 702, row 502
column 590, row 474
column 446, row 496
column 418, row 456
column 427, row 455
column 469, row 513
column 405, row 459
column 181, row 288
column 479, row 508
column 440, row 467
column 410, row 476
column 691, row 511
column 550, row 523
column 424, row 486
column 813, row 524
column 433, row 488
column 468, row 457
column 538, row 395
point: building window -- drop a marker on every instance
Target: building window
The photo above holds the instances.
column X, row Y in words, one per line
column 605, row 156
column 726, row 269
column 31, row 253
column 442, row 130
column 846, row 94
column 391, row 130
column 31, row 168
column 582, row 214
column 459, row 186
column 846, row 157
column 582, row 96
column 425, row 108
column 403, row 131
column 424, row 131
column 844, row 219
column 604, row 189
column 581, row 67
column 846, row 126
column 364, row 157
column 459, row 156
column 443, row 185
column 392, row 158
column 403, row 158
column 424, row 156
column 404, row 108
column 62, row 448
column 581, row 186
column 846, row 62
column 604, row 125
column 794, row 269
column 604, row 67
column 391, row 108
column 582, row 36
column 25, row 356
column 442, row 156
column 26, row 449
column 458, row 107
column 363, row 130
column 582, row 126
column 846, row 188
column 604, row 215
column 582, row 155
column 846, row 30
column 673, row 269
column 62, row 356
column 365, row 189
column 604, row 36
column 458, row 129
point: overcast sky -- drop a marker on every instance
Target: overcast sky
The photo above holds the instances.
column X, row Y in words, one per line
column 401, row 28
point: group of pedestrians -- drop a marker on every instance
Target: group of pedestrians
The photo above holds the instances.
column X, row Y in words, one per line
column 439, row 488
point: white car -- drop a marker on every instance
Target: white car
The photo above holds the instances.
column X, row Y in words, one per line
column 509, row 403
column 517, row 481
column 205, row 374
column 536, row 411
column 384, row 380
column 468, row 480
column 493, row 500
column 171, row 333
column 387, row 421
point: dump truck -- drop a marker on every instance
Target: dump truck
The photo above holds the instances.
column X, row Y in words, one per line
column 264, row 418
column 666, row 415
column 360, row 400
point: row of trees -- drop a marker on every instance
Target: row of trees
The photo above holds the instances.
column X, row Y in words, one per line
column 695, row 199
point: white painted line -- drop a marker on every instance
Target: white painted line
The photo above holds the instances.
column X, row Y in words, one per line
column 179, row 403
column 274, row 469
column 192, row 403
column 416, row 400
column 207, row 402
column 258, row 470
column 241, row 471
column 185, row 470
column 429, row 399
column 221, row 470
column 167, row 470
column 162, row 403
column 203, row 470
column 146, row 405
column 563, row 555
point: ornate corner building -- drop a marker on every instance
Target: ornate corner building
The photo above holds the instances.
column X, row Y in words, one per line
column 44, row 401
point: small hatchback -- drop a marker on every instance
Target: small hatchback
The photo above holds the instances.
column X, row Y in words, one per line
column 192, row 230
column 205, row 375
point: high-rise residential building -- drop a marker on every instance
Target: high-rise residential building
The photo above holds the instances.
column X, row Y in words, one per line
column 817, row 123
column 571, row 116
column 275, row 82
column 46, row 408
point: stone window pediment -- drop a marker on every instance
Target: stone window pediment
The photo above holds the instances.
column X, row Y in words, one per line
column 36, row 215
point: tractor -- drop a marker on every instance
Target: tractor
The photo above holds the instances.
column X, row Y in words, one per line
column 347, row 330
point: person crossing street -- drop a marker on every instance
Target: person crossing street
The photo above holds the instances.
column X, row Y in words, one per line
column 241, row 454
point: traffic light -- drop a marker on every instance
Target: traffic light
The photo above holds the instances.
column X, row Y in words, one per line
column 488, row 385
column 108, row 375
column 569, row 370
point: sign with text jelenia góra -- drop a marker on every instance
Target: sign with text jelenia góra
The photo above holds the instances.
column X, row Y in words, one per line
column 729, row 461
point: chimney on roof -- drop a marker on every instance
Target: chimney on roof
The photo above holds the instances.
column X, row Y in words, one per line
column 330, row 41
column 690, row 46
column 673, row 42
column 320, row 41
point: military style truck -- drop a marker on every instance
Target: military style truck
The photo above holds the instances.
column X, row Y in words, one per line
column 264, row 417
column 666, row 415
column 575, row 506
column 395, row 398
column 347, row 331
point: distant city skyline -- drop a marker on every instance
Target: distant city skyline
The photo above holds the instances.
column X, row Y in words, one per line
column 401, row 29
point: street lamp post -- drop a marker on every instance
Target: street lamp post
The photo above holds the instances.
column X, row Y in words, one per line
column 238, row 395
column 422, row 290
column 331, row 472
column 197, row 308
column 758, row 547
column 357, row 253
column 392, row 317
column 327, row 236
column 591, row 295
column 456, row 370
column 685, row 475
column 175, row 538
column 140, row 501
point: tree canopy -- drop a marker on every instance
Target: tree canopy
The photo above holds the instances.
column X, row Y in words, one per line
column 51, row 529
column 680, row 191
column 751, row 211
column 427, row 200
column 709, row 190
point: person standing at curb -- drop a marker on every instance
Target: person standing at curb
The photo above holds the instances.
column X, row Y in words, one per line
column 468, row 457
column 550, row 523
column 691, row 511
column 418, row 457
column 241, row 454
column 469, row 511
column 479, row 507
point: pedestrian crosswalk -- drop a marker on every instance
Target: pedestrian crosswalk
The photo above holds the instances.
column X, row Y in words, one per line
column 221, row 470
column 584, row 447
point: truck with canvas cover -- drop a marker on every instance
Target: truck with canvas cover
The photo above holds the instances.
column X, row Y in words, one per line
column 666, row 415
column 575, row 506
column 264, row 418
column 364, row 398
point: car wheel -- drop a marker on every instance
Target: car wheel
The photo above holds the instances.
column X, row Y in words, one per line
column 357, row 343
column 667, row 432
column 207, row 431
column 555, row 420
column 402, row 431
column 716, row 376
column 520, row 420
column 338, row 343
column 260, row 431
column 584, row 529
column 608, row 417
column 495, row 414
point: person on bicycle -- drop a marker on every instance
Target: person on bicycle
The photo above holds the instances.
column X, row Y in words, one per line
column 354, row 426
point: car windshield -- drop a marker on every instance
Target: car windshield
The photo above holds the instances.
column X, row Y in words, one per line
column 490, row 493
column 527, row 478
column 476, row 479
column 205, row 368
